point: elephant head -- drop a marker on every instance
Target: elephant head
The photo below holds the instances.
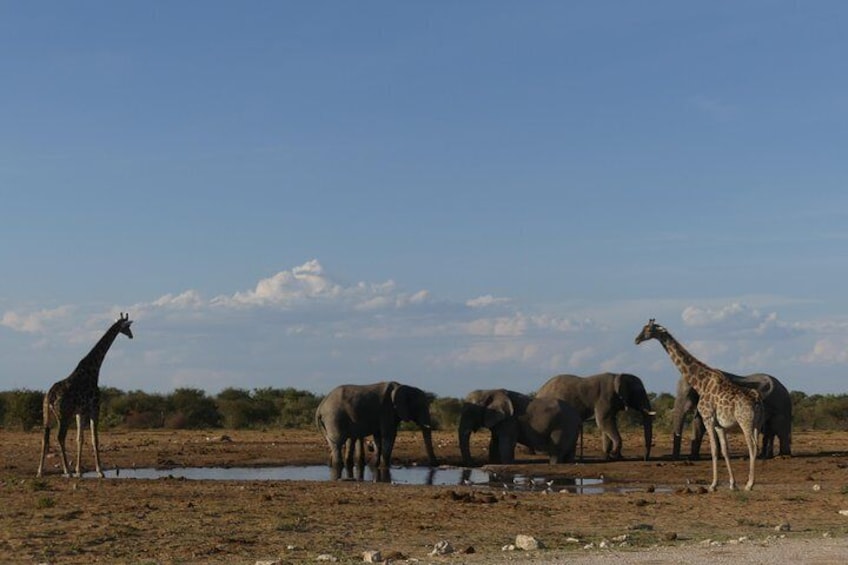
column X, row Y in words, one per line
column 496, row 410
column 632, row 394
column 411, row 404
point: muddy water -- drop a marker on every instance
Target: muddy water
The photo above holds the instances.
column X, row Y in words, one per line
column 470, row 478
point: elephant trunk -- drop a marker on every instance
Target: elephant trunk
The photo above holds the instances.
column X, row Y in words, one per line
column 428, row 445
column 648, row 423
column 465, row 428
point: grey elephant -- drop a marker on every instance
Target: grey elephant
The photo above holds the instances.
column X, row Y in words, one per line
column 350, row 413
column 544, row 424
column 604, row 396
column 777, row 405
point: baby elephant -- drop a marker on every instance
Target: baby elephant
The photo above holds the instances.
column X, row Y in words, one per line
column 544, row 424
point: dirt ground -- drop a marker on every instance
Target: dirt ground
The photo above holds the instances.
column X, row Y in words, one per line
column 644, row 504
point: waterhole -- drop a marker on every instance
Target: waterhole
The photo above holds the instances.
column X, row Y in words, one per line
column 470, row 478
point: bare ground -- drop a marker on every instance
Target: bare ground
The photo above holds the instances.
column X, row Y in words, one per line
column 659, row 505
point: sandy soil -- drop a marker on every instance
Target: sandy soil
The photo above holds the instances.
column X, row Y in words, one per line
column 655, row 511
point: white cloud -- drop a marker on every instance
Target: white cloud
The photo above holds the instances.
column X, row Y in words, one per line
column 491, row 352
column 35, row 322
column 828, row 351
column 485, row 301
column 189, row 299
column 734, row 315
column 502, row 326
column 581, row 357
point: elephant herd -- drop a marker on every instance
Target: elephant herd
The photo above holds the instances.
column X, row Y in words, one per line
column 550, row 421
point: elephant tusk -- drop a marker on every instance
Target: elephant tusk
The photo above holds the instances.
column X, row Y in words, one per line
column 650, row 412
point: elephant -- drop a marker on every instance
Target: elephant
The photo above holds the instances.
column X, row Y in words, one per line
column 350, row 413
column 545, row 424
column 603, row 396
column 777, row 404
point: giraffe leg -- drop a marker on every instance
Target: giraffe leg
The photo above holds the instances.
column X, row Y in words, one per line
column 61, row 432
column 722, row 440
column 80, row 440
column 95, row 442
column 45, row 441
column 712, row 434
column 751, row 440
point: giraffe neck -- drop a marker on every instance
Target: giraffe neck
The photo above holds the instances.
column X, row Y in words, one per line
column 692, row 370
column 89, row 366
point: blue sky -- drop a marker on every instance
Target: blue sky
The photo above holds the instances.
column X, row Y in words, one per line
column 456, row 195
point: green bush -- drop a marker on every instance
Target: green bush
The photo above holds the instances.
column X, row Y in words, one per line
column 23, row 409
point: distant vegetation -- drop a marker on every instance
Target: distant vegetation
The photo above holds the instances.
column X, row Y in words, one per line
column 265, row 408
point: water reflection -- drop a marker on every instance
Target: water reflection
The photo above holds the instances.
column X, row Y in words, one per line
column 398, row 475
column 471, row 478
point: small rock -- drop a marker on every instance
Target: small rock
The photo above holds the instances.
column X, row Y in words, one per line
column 844, row 512
column 816, row 488
column 706, row 542
column 589, row 546
column 604, row 544
column 372, row 556
column 442, row 548
column 619, row 539
column 326, row 557
column 508, row 547
column 784, row 527
column 527, row 543
column 572, row 540
column 268, row 562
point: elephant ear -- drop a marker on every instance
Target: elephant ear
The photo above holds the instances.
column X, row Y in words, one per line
column 401, row 400
column 498, row 408
column 622, row 384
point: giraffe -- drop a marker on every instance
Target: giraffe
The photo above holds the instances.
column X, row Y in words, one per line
column 722, row 403
column 78, row 395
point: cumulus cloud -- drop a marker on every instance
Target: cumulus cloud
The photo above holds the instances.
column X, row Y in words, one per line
column 189, row 299
column 34, row 322
column 488, row 353
column 734, row 315
column 739, row 317
column 485, row 301
column 308, row 285
column 828, row 351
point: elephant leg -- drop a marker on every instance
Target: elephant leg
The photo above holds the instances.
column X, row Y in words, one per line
column 494, row 449
column 388, row 444
column 609, row 434
column 698, row 431
column 506, row 448
column 350, row 448
column 336, row 447
column 785, row 437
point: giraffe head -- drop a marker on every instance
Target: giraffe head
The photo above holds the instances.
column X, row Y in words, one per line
column 652, row 330
column 125, row 324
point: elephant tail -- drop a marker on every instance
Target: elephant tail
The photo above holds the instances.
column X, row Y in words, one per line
column 319, row 422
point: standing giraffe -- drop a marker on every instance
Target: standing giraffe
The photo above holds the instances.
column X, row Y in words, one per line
column 78, row 395
column 722, row 403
